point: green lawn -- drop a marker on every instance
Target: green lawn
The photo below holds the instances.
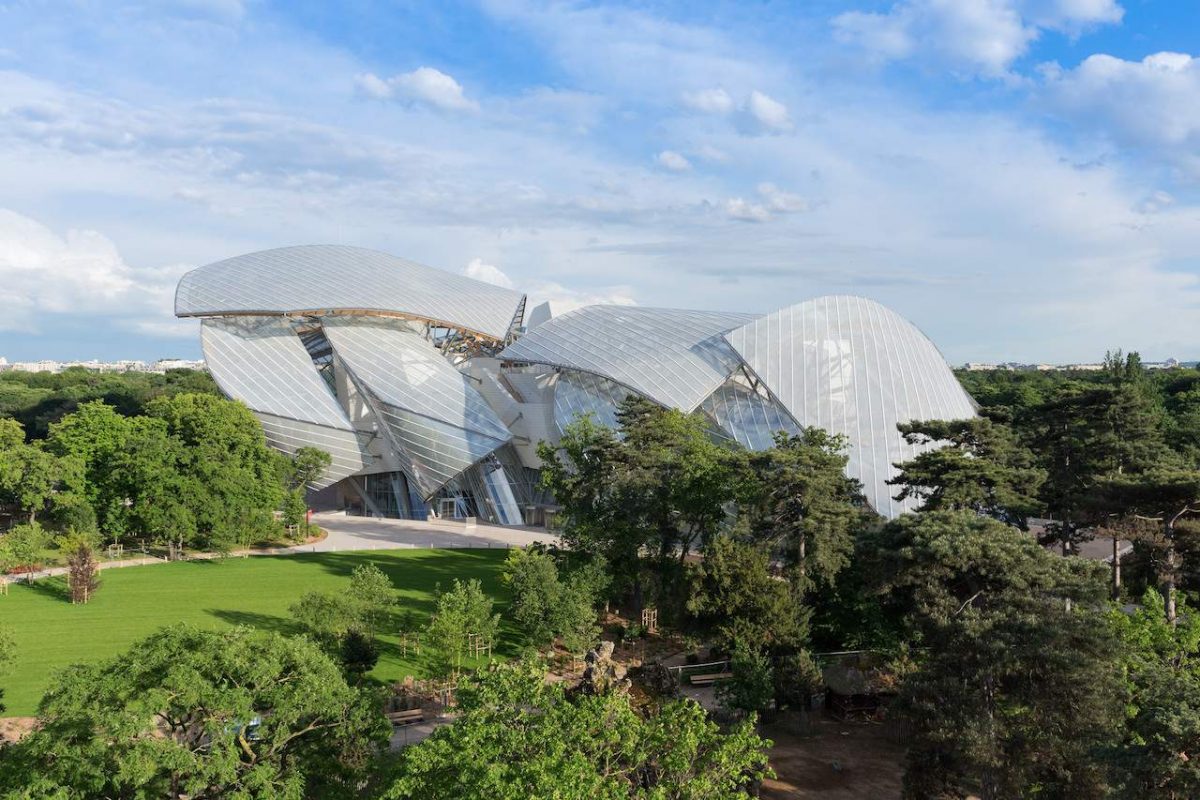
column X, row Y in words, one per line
column 134, row 601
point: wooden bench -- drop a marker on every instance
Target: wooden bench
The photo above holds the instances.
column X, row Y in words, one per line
column 709, row 679
column 410, row 717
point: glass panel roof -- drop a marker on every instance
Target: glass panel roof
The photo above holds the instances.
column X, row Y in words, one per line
column 322, row 278
column 854, row 367
column 676, row 358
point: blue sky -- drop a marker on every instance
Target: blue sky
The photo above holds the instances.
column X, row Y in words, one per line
column 1020, row 178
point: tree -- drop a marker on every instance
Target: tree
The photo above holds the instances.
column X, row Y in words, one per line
column 797, row 497
column 1084, row 435
column 231, row 478
column 359, row 654
column 461, row 612
column 532, row 577
column 372, row 596
column 295, row 509
column 345, row 623
column 752, row 687
column 95, row 434
column 236, row 713
column 979, row 466
column 152, row 497
column 83, row 569
column 659, row 484
column 575, row 617
column 530, row 739
column 306, row 466
column 1159, row 758
column 1156, row 756
column 1016, row 689
column 797, row 678
column 734, row 596
column 1166, row 497
column 326, row 616
column 34, row 479
column 545, row 604
column 1151, row 759
column 24, row 546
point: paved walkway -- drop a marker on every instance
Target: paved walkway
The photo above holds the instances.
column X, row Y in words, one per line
column 366, row 533
column 362, row 533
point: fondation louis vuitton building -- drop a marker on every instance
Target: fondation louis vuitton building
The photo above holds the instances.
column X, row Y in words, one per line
column 431, row 391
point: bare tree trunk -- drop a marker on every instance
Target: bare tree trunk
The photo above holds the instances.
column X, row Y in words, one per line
column 1116, row 569
column 1169, row 583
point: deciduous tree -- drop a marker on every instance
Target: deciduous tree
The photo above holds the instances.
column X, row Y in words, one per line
column 202, row 714
column 735, row 597
column 518, row 737
column 462, row 611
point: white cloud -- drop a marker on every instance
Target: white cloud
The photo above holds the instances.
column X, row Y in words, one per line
column 374, row 86
column 710, row 153
column 42, row 273
column 766, row 113
column 673, row 161
column 771, row 200
column 1154, row 202
column 954, row 218
column 1073, row 16
column 562, row 299
column 480, row 270
column 1153, row 103
column 982, row 37
column 423, row 85
column 780, row 201
column 709, row 101
column 739, row 209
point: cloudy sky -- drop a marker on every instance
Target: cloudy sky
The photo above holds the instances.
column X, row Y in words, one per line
column 1021, row 178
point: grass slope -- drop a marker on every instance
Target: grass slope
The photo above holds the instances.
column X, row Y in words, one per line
column 134, row 601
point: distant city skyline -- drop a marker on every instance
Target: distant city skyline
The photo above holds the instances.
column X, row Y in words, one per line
column 1017, row 178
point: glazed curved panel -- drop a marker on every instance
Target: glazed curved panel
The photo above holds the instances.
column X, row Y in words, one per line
column 261, row 361
column 434, row 452
column 855, row 368
column 324, row 278
column 578, row 394
column 405, row 371
column 438, row 422
column 347, row 449
column 676, row 358
column 747, row 417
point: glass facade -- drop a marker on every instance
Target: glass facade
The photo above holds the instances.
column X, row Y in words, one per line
column 392, row 368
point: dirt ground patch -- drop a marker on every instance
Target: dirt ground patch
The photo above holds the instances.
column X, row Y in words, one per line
column 839, row 761
column 13, row 728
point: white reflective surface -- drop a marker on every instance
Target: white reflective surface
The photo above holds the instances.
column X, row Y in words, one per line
column 856, row 368
column 322, row 278
column 675, row 358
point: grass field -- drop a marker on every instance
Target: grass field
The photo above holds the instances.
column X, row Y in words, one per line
column 134, row 601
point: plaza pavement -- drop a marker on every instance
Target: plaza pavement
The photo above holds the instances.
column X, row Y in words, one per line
column 367, row 533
